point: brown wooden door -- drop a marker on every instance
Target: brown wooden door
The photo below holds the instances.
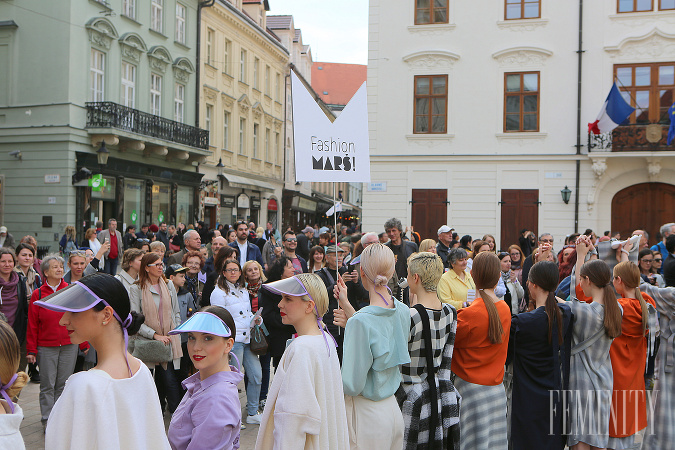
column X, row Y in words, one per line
column 644, row 206
column 429, row 211
column 520, row 209
column 210, row 217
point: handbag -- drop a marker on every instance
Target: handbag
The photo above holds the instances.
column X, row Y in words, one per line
column 258, row 341
column 150, row 350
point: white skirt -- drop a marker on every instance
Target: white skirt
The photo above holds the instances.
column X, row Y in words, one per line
column 374, row 425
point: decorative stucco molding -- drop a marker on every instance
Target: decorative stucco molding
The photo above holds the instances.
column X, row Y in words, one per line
column 431, row 59
column 101, row 32
column 182, row 68
column 522, row 24
column 159, row 58
column 132, row 46
column 655, row 44
column 522, row 56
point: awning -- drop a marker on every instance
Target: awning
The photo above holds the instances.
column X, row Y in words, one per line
column 247, row 183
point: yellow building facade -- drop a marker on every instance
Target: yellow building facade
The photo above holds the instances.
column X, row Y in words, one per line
column 242, row 104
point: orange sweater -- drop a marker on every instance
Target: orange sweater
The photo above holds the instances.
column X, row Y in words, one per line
column 628, row 354
column 476, row 359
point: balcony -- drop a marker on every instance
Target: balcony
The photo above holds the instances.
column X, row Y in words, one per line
column 631, row 138
column 102, row 115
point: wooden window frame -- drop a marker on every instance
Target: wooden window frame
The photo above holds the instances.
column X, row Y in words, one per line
column 521, row 94
column 654, row 114
column 431, row 13
column 522, row 10
column 634, row 10
column 430, row 97
column 665, row 9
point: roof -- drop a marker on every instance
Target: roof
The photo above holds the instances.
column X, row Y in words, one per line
column 279, row 22
column 337, row 83
column 298, row 35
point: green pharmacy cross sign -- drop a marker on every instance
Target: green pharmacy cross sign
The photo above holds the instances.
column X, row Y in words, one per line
column 160, row 217
column 97, row 182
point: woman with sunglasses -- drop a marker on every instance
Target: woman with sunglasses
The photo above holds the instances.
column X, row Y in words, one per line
column 656, row 268
column 113, row 405
column 156, row 299
column 231, row 294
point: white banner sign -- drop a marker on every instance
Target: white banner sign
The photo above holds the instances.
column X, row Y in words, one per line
column 326, row 151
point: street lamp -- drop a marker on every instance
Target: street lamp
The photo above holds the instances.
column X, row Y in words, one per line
column 220, row 166
column 102, row 154
column 566, row 194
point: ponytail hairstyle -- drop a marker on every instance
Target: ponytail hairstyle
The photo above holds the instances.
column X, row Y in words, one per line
column 9, row 360
column 377, row 263
column 113, row 291
column 598, row 273
column 630, row 276
column 485, row 272
column 545, row 275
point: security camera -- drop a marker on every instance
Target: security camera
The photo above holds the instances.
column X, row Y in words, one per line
column 86, row 172
column 15, row 153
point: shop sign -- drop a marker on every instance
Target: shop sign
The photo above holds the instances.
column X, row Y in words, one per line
column 243, row 201
column 304, row 204
column 272, row 205
column 97, row 182
column 134, row 216
column 255, row 203
column 227, row 201
column 210, row 201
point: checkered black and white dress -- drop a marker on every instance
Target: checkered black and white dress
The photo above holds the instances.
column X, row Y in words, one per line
column 414, row 395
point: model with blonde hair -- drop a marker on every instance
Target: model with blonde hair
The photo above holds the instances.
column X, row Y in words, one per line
column 628, row 414
column 481, row 345
column 428, row 245
column 11, row 384
column 375, row 345
column 305, row 406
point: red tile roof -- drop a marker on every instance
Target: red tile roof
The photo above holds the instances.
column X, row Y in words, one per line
column 337, row 83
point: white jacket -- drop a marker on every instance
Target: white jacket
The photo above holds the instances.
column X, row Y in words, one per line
column 238, row 303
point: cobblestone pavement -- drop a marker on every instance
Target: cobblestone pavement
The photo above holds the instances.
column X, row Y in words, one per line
column 34, row 438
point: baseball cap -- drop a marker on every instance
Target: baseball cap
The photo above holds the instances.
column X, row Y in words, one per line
column 333, row 249
column 173, row 269
column 308, row 229
column 3, row 229
column 444, row 229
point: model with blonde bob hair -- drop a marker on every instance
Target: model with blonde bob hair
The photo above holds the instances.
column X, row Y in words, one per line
column 628, row 413
column 375, row 346
column 481, row 346
column 305, row 407
column 11, row 384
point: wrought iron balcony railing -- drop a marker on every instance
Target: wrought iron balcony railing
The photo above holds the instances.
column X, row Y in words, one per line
column 631, row 138
column 113, row 115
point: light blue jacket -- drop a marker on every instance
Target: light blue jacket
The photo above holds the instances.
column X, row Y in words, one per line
column 375, row 346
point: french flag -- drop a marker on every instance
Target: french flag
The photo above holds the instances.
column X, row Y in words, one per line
column 613, row 113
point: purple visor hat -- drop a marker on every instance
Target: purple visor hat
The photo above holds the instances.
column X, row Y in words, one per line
column 78, row 298
column 294, row 287
column 204, row 322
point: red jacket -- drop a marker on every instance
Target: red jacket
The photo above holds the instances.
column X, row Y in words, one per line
column 43, row 324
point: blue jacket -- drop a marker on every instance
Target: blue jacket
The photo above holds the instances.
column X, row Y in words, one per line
column 252, row 252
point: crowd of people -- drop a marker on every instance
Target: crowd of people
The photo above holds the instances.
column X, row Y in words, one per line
column 376, row 340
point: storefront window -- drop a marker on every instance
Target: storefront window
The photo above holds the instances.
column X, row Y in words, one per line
column 161, row 195
column 184, row 205
column 134, row 202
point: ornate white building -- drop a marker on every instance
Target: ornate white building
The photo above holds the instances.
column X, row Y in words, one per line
column 479, row 111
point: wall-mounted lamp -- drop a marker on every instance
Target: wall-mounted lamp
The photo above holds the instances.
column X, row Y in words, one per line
column 566, row 194
column 17, row 154
column 220, row 166
column 102, row 154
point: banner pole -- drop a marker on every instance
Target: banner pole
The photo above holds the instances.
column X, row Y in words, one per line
column 337, row 268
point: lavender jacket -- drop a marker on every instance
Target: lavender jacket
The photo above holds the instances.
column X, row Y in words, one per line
column 209, row 416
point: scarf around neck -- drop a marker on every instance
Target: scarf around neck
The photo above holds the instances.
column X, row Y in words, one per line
column 160, row 319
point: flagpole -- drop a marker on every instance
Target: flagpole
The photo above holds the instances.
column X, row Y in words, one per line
column 337, row 268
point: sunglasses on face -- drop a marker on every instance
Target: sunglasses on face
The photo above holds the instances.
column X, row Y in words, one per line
column 649, row 261
column 657, row 260
column 291, row 240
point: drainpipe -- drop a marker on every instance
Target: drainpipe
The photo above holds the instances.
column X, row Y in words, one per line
column 200, row 5
column 580, row 52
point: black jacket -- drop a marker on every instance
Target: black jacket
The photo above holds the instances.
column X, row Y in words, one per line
column 669, row 271
column 303, row 246
column 21, row 316
column 442, row 251
column 279, row 333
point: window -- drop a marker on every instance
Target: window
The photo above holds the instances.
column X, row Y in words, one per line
column 521, row 101
column 277, row 87
column 156, row 15
column 242, row 135
column 666, row 5
column 256, row 71
column 431, row 98
column 267, row 81
column 129, row 8
column 256, row 129
column 277, row 148
column 242, row 66
column 97, row 75
column 431, row 11
column 226, row 56
column 267, row 144
column 209, row 46
column 207, row 122
column 634, row 5
column 128, row 84
column 650, row 88
column 226, row 130
column 156, row 94
column 180, row 23
column 523, row 9
column 179, row 102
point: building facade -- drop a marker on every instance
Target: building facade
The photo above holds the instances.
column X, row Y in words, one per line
column 242, row 101
column 98, row 87
column 478, row 116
